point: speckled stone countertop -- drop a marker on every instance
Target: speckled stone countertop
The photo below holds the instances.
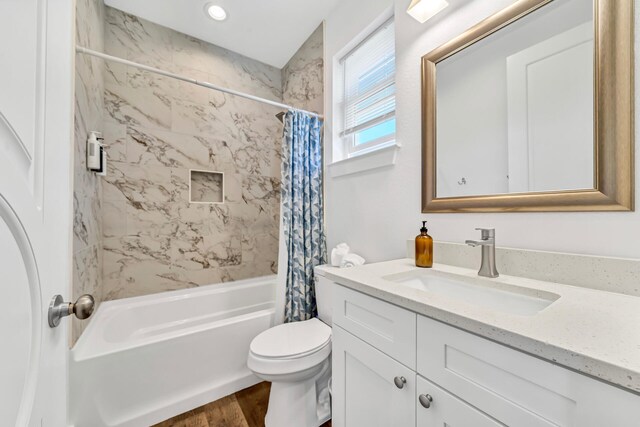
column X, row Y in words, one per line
column 590, row 331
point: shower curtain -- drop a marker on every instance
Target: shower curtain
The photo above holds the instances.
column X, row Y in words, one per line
column 302, row 212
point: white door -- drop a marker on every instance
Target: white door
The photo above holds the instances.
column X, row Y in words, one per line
column 438, row 408
column 545, row 135
column 364, row 390
column 36, row 63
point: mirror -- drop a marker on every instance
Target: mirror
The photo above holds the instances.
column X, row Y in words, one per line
column 526, row 95
column 517, row 111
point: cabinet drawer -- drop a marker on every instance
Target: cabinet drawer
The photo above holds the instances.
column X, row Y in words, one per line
column 388, row 328
column 447, row 410
column 515, row 388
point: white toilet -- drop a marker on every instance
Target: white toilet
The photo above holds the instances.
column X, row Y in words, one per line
column 296, row 359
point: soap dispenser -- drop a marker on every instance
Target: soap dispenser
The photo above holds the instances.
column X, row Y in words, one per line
column 424, row 248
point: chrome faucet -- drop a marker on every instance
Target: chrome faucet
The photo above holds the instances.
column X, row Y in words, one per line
column 488, row 243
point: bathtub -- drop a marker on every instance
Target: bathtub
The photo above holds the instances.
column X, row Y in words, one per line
column 145, row 359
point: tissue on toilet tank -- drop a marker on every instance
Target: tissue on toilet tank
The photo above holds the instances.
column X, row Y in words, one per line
column 351, row 260
column 338, row 253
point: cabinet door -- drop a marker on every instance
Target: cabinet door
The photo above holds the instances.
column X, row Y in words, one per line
column 364, row 390
column 447, row 410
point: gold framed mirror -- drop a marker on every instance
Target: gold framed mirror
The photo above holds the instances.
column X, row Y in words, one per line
column 564, row 137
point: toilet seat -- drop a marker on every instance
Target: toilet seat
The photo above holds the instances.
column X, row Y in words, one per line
column 290, row 348
column 291, row 340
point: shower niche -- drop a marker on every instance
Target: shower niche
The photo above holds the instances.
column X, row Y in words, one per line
column 206, row 186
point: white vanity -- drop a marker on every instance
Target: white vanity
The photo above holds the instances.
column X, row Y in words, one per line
column 436, row 347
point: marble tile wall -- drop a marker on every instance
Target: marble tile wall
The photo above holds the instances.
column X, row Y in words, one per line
column 135, row 231
column 207, row 187
column 302, row 77
column 158, row 129
column 88, row 116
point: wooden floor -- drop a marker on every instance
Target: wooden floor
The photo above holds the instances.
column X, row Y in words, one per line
column 246, row 408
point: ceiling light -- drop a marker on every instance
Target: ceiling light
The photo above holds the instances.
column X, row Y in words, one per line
column 422, row 10
column 216, row 12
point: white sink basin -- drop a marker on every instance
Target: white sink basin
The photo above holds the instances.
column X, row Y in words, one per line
column 491, row 295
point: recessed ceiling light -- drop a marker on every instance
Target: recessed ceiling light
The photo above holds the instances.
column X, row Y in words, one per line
column 216, row 12
column 422, row 10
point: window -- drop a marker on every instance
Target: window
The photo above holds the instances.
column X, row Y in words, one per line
column 369, row 102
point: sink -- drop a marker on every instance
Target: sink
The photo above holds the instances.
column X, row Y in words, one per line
column 484, row 293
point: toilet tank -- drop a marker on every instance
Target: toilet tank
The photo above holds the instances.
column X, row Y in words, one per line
column 324, row 287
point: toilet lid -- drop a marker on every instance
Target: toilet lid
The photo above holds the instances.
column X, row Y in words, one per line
column 291, row 339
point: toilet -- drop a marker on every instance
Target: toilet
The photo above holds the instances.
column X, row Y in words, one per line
column 296, row 359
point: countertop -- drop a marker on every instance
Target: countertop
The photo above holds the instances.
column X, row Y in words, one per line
column 590, row 331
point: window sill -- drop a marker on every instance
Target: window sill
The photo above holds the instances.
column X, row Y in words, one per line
column 380, row 158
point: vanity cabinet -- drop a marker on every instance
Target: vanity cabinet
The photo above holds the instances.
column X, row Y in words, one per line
column 392, row 367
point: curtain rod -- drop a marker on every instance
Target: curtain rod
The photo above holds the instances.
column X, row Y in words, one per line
column 97, row 54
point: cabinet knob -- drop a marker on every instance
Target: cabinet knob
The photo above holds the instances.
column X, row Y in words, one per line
column 400, row 381
column 425, row 400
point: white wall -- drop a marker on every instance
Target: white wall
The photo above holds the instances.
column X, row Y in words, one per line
column 477, row 96
column 376, row 211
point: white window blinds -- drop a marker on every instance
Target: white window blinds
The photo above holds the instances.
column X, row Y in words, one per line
column 369, row 81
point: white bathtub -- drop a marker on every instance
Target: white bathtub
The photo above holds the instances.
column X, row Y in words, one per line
column 142, row 360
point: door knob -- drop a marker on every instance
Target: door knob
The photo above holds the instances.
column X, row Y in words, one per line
column 425, row 400
column 400, row 381
column 82, row 308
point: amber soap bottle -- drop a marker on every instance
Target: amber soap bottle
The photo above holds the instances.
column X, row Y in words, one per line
column 424, row 248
